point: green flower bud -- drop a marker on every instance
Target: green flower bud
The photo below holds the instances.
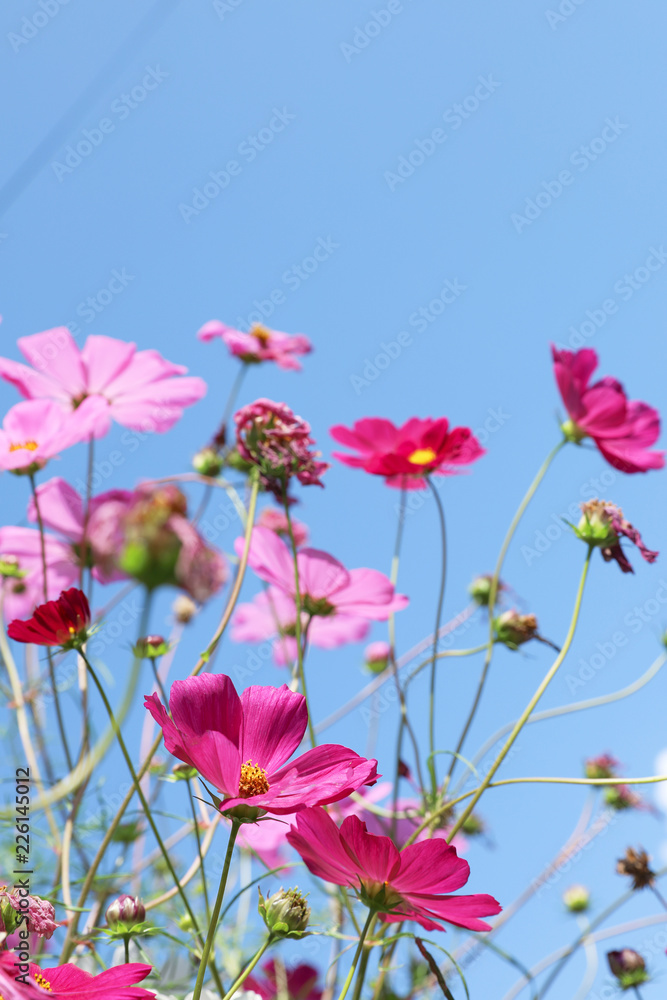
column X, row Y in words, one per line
column 150, row 647
column 513, row 629
column 577, row 898
column 208, row 462
column 629, row 968
column 286, row 913
column 125, row 913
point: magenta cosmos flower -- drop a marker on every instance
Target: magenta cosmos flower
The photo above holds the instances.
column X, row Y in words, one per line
column 622, row 429
column 57, row 623
column 413, row 884
column 140, row 389
column 259, row 344
column 242, row 746
column 37, row 430
column 406, row 455
column 68, row 981
column 301, row 983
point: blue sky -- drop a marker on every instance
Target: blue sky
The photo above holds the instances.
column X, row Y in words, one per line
column 478, row 180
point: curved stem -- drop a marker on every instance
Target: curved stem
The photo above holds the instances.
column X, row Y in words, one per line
column 191, row 800
column 438, row 615
column 357, row 955
column 493, row 594
column 213, row 925
column 248, row 969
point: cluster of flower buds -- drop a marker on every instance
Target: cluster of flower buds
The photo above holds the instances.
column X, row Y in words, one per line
column 286, row 913
column 272, row 438
column 628, row 967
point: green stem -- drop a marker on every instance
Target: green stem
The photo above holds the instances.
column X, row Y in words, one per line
column 213, row 925
column 357, row 955
column 493, row 594
column 298, row 628
column 248, row 969
column 126, row 942
column 191, row 800
column 140, row 793
column 49, row 654
column 438, row 616
column 520, row 723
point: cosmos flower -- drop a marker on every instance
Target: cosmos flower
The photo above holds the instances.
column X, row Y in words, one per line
column 259, row 344
column 138, row 389
column 406, row 455
column 37, row 430
column 57, row 623
column 413, row 884
column 622, row 429
column 243, row 746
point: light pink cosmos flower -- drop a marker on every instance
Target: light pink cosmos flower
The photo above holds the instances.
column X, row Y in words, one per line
column 267, row 839
column 622, row 429
column 139, row 389
column 327, row 588
column 22, row 593
column 62, row 510
column 410, row 885
column 301, row 983
column 276, row 520
column 406, row 455
column 37, row 430
column 272, row 615
column 242, row 746
column 260, row 344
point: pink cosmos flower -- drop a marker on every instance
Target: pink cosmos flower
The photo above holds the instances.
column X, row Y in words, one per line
column 327, row 588
column 139, row 389
column 272, row 615
column 301, row 983
column 622, row 429
column 410, row 885
column 23, row 591
column 37, row 430
column 242, row 746
column 260, row 344
column 276, row 520
column 69, row 981
column 270, row 436
column 267, row 839
column 405, row 455
column 62, row 510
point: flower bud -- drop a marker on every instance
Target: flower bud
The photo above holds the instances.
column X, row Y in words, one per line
column 376, row 657
column 286, row 913
column 183, row 772
column 628, row 966
column 125, row 912
column 150, row 647
column 208, row 462
column 621, row 797
column 604, row 766
column 577, row 898
column 473, row 826
column 595, row 526
column 513, row 629
column 235, row 461
column 480, row 589
column 10, row 568
column 184, row 609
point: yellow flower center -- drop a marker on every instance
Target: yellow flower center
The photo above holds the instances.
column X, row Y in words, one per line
column 253, row 780
column 41, row 981
column 422, row 456
column 262, row 333
column 25, row 445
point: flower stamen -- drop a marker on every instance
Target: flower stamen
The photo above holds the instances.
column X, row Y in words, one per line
column 24, row 446
column 422, row 456
column 253, row 780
